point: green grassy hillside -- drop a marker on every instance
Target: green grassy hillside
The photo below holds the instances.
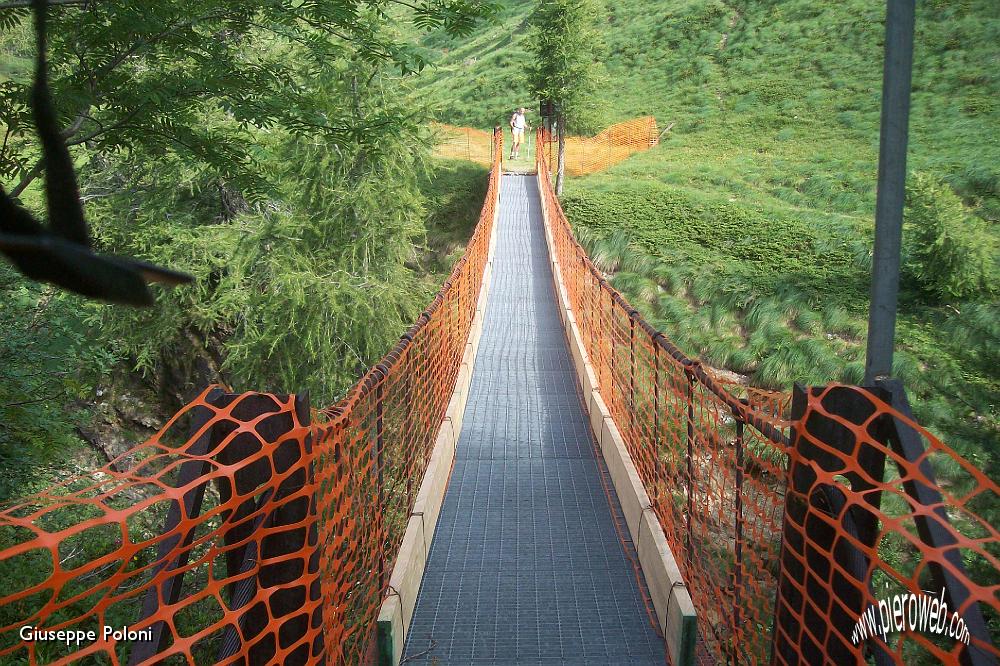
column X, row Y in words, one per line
column 782, row 98
column 746, row 234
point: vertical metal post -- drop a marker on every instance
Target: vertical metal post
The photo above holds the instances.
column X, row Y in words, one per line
column 738, row 546
column 593, row 327
column 631, row 372
column 611, row 351
column 408, row 396
column 610, row 328
column 690, row 469
column 551, row 168
column 659, row 469
column 379, row 464
column 579, row 307
column 656, row 391
column 896, row 79
column 806, row 628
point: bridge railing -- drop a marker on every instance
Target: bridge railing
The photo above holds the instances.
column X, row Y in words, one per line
column 250, row 529
column 774, row 516
column 374, row 447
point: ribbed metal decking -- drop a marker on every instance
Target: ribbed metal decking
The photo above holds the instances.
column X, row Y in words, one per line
column 526, row 566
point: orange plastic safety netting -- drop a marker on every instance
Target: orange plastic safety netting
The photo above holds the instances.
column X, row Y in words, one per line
column 463, row 143
column 891, row 548
column 250, row 529
column 586, row 155
column 722, row 466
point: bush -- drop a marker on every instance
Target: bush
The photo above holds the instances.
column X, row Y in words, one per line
column 947, row 251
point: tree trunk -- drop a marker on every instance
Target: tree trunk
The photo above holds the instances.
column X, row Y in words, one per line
column 561, row 169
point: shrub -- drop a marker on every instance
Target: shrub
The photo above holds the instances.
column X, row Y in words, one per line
column 948, row 252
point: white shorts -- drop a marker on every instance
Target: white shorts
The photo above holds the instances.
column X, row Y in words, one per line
column 518, row 134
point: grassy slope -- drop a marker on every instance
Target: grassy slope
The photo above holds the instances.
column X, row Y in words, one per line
column 755, row 213
column 477, row 80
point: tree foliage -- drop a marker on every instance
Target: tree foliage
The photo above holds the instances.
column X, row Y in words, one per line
column 132, row 74
column 949, row 253
column 293, row 293
column 269, row 149
column 46, row 367
column 566, row 44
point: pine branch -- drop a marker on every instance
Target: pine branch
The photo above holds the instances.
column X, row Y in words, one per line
column 23, row 4
column 32, row 401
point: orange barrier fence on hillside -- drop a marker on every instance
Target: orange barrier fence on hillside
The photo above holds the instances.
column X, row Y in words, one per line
column 586, row 155
column 463, row 143
column 250, row 530
column 786, row 521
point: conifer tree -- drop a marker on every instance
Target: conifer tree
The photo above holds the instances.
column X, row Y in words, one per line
column 567, row 46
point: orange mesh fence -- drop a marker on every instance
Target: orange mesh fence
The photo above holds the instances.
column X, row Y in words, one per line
column 375, row 446
column 586, row 155
column 250, row 529
column 891, row 550
column 687, row 435
column 93, row 552
column 723, row 467
column 463, row 143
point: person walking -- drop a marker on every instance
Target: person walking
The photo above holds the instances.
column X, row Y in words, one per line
column 517, row 125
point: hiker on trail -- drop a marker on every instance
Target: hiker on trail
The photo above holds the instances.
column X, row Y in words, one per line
column 517, row 125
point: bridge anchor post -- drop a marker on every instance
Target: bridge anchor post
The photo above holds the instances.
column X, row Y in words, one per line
column 290, row 526
column 831, row 532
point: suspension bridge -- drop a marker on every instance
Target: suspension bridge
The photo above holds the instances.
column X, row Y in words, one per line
column 532, row 475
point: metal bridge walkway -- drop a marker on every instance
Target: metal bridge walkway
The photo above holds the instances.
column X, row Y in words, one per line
column 526, row 566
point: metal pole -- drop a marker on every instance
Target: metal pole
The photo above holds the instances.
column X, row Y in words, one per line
column 689, row 459
column 897, row 71
column 738, row 544
column 379, row 460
